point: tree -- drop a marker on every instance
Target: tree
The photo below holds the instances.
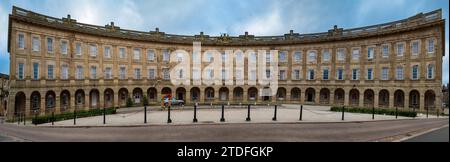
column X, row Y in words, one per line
column 145, row 100
column 129, row 102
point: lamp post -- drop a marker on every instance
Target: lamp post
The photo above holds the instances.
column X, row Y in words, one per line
column 248, row 113
column 195, row 113
column 168, row 116
column 275, row 114
column 75, row 116
column 222, row 119
column 145, row 113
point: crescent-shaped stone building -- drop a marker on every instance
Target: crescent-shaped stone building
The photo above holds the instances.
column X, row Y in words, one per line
column 59, row 65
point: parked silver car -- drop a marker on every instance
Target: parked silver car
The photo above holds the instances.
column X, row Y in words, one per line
column 177, row 102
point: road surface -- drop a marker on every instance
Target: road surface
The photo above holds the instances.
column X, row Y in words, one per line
column 250, row 132
column 440, row 135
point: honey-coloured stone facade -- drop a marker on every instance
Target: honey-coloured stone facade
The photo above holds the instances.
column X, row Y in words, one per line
column 60, row 65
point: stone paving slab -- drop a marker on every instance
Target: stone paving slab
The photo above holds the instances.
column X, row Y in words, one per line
column 259, row 114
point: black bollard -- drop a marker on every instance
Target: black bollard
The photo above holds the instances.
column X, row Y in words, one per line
column 414, row 110
column 223, row 117
column 53, row 118
column 168, row 116
column 396, row 112
column 104, row 115
column 427, row 112
column 248, row 113
column 275, row 114
column 343, row 110
column 75, row 117
column 437, row 113
column 301, row 112
column 18, row 119
column 195, row 114
column 373, row 113
column 145, row 114
column 24, row 119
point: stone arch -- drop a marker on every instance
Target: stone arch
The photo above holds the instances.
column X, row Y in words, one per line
column 414, row 99
column 79, row 99
column 108, row 98
column 64, row 99
column 180, row 93
column 50, row 98
column 354, row 97
column 281, row 94
column 383, row 98
column 223, row 94
column 138, row 96
column 252, row 94
column 430, row 99
column 399, row 98
column 310, row 95
column 238, row 94
column 152, row 94
column 295, row 94
column 35, row 101
column 19, row 104
column 195, row 94
column 339, row 96
column 94, row 99
column 209, row 94
column 123, row 96
column 324, row 96
column 369, row 96
column 166, row 92
column 266, row 94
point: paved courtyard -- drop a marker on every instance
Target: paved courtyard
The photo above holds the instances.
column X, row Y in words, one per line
column 233, row 114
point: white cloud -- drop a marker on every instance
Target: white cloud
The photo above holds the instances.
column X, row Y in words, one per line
column 3, row 31
column 268, row 24
column 281, row 17
column 445, row 65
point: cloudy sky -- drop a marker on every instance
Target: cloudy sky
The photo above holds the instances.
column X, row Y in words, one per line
column 258, row 17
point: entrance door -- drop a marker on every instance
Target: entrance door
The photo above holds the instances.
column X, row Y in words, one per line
column 266, row 98
column 137, row 98
column 310, row 97
column 223, row 96
column 180, row 96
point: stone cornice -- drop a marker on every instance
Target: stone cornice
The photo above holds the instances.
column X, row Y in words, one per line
column 421, row 20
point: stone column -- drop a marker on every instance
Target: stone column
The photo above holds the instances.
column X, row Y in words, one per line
column 202, row 95
column 187, row 96
column 27, row 107
column 317, row 97
column 287, row 98
column 116, row 99
column 391, row 99
column 406, row 105
column 361, row 99
column 216, row 96
column 438, row 100
column 244, row 96
column 72, row 102
column 422, row 102
column 375, row 100
column 230, row 96
column 101, row 99
column 42, row 107
column 331, row 97
column 346, row 97
column 57, row 108
column 87, row 104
